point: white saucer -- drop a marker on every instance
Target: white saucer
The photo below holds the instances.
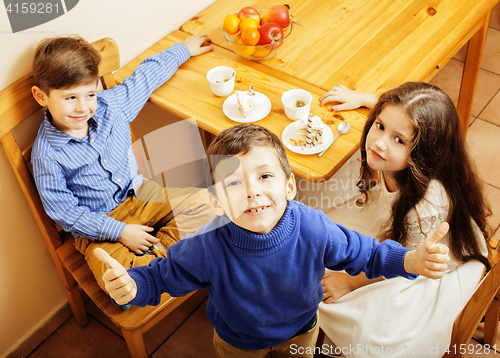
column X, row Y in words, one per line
column 290, row 131
column 230, row 109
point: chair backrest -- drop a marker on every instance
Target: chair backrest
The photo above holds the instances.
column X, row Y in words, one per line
column 16, row 105
column 480, row 303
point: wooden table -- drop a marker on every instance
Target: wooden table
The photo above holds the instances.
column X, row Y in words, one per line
column 188, row 95
column 365, row 45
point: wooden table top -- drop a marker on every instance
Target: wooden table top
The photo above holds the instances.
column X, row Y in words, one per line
column 365, row 45
column 187, row 94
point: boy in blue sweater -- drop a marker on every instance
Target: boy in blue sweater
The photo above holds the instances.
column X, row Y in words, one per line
column 263, row 256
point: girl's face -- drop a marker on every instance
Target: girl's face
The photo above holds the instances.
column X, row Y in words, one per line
column 388, row 141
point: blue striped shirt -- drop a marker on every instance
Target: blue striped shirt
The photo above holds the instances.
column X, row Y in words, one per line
column 82, row 180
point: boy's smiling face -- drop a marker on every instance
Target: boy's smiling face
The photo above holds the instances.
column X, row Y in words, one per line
column 254, row 196
column 71, row 108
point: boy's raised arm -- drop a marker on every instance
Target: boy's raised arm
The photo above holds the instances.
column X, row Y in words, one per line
column 132, row 94
column 430, row 259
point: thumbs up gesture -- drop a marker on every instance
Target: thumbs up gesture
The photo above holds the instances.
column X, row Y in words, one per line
column 120, row 286
column 430, row 259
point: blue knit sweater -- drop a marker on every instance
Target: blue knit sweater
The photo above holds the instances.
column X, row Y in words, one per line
column 264, row 288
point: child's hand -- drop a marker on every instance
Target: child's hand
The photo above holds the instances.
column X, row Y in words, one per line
column 117, row 281
column 195, row 44
column 137, row 239
column 350, row 99
column 335, row 285
column 338, row 284
column 430, row 259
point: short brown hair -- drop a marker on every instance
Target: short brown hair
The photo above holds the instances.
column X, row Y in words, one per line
column 240, row 139
column 62, row 62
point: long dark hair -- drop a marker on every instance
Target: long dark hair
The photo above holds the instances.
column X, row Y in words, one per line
column 437, row 152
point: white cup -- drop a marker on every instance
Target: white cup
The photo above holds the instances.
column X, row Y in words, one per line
column 221, row 80
column 290, row 101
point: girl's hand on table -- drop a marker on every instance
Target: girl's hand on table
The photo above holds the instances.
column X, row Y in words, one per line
column 195, row 44
column 349, row 99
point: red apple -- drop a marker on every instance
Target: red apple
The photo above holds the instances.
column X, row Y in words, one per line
column 279, row 14
column 249, row 13
column 269, row 34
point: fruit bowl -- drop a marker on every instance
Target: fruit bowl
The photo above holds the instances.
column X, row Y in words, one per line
column 257, row 52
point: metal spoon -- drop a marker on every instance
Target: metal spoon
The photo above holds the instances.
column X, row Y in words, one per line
column 343, row 128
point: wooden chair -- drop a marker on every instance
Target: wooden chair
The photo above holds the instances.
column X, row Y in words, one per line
column 485, row 302
column 16, row 105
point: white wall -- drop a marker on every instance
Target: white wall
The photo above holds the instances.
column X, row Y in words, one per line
column 30, row 288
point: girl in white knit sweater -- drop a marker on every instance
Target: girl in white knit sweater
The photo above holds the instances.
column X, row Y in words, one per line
column 415, row 174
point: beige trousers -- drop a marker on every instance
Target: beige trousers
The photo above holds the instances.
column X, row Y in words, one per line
column 174, row 212
column 301, row 346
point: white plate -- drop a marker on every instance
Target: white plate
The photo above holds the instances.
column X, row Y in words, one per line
column 290, row 131
column 230, row 109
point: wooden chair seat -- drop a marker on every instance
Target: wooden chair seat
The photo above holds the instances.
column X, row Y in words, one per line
column 16, row 105
column 485, row 302
column 130, row 319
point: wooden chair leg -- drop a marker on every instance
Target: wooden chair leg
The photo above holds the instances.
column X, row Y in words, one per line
column 74, row 298
column 135, row 343
column 471, row 74
column 491, row 321
column 206, row 138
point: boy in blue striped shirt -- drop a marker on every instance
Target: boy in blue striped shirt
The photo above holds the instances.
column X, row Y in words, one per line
column 83, row 164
